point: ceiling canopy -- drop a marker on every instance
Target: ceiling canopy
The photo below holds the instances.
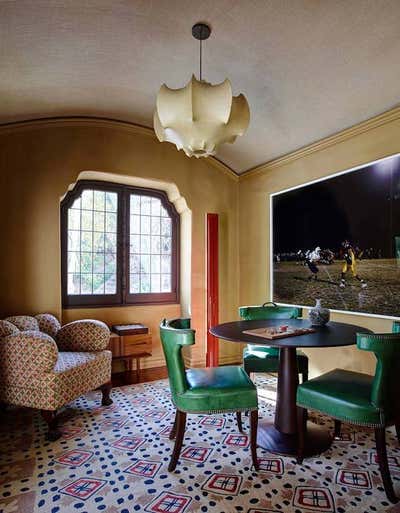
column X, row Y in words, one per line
column 308, row 68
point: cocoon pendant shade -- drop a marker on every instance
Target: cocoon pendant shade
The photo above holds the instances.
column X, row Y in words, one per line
column 200, row 116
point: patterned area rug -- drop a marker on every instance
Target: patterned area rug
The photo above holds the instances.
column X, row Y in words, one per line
column 115, row 460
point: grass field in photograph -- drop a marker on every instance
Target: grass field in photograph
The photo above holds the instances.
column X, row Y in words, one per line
column 381, row 297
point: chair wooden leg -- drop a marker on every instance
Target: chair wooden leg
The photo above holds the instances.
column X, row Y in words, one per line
column 380, row 440
column 106, row 390
column 239, row 421
column 253, row 438
column 337, row 429
column 302, row 431
column 304, row 377
column 50, row 417
column 398, row 431
column 172, row 433
column 180, row 432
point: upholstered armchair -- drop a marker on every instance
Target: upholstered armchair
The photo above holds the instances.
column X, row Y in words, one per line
column 45, row 366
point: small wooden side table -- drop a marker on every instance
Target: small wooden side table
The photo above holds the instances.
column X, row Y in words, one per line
column 130, row 347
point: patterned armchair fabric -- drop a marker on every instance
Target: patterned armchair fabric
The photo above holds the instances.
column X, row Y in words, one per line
column 45, row 366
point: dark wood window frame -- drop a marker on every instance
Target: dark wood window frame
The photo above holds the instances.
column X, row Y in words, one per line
column 122, row 297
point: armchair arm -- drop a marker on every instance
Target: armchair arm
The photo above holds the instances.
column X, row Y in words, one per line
column 25, row 356
column 85, row 335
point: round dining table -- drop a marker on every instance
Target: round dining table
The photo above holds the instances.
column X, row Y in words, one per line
column 280, row 436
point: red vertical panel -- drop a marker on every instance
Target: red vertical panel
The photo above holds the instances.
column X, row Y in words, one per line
column 212, row 288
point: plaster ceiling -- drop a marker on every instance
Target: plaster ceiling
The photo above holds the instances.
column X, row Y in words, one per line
column 309, row 68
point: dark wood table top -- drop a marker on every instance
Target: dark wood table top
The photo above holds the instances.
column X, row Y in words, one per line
column 332, row 335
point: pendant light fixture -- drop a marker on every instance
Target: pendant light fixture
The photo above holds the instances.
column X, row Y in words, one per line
column 200, row 116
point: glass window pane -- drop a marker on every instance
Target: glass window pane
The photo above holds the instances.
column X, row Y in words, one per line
column 73, row 261
column 165, row 244
column 165, row 264
column 86, row 284
column 74, row 219
column 135, row 204
column 73, row 287
column 145, row 225
column 135, row 243
column 145, row 264
column 134, row 284
column 155, row 263
column 134, row 264
column 155, row 244
column 110, row 243
column 98, row 242
column 99, row 200
column 98, row 221
column 145, row 205
column 98, row 283
column 155, row 225
column 165, row 283
column 87, row 200
column 98, row 263
column 155, row 207
column 164, row 213
column 111, row 222
column 86, row 262
column 144, row 283
column 110, row 284
column 166, row 227
column 87, row 220
column 135, row 224
column 110, row 263
column 73, row 240
column 145, row 244
column 86, row 241
column 111, row 201
column 155, row 283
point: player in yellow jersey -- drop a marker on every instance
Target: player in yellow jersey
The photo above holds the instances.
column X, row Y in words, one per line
column 349, row 262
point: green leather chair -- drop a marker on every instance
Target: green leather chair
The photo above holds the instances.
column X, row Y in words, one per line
column 359, row 399
column 264, row 358
column 211, row 390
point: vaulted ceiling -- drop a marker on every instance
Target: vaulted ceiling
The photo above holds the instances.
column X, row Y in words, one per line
column 309, row 68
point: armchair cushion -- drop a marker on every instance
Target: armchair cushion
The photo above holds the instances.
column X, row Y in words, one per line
column 24, row 322
column 48, row 324
column 7, row 328
column 85, row 335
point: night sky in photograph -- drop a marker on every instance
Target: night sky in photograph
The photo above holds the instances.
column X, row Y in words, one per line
column 362, row 206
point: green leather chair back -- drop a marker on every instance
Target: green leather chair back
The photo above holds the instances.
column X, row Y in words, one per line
column 396, row 327
column 174, row 334
column 385, row 386
column 269, row 311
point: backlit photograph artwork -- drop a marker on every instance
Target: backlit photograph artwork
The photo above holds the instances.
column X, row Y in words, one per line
column 338, row 239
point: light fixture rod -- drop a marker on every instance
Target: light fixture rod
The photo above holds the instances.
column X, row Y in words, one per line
column 201, row 31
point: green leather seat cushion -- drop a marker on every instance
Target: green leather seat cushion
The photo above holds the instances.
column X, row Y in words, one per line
column 342, row 394
column 218, row 389
column 266, row 359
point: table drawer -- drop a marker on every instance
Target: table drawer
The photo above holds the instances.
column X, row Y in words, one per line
column 132, row 347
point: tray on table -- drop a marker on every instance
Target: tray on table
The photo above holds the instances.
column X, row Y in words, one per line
column 270, row 335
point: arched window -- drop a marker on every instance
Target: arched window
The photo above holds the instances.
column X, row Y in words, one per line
column 119, row 246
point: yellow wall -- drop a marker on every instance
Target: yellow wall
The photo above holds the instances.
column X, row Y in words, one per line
column 39, row 161
column 369, row 142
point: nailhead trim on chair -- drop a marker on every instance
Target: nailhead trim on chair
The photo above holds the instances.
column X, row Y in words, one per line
column 345, row 419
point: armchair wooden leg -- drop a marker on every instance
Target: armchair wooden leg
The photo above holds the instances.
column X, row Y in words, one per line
column 50, row 417
column 180, row 432
column 253, row 437
column 239, row 421
column 172, row 433
column 302, row 431
column 380, row 439
column 337, row 429
column 106, row 390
